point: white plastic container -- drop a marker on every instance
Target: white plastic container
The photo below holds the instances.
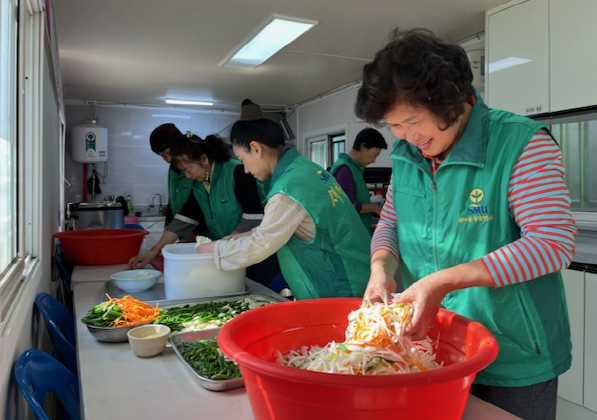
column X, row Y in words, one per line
column 188, row 274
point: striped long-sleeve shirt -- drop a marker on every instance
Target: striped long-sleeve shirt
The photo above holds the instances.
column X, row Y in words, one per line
column 539, row 201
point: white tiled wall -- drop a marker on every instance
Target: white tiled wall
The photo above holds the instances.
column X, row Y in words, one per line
column 132, row 168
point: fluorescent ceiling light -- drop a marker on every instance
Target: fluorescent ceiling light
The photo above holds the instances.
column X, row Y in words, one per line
column 187, row 102
column 506, row 63
column 185, row 117
column 277, row 32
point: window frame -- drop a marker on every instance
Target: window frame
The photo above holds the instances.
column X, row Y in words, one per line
column 329, row 135
column 27, row 61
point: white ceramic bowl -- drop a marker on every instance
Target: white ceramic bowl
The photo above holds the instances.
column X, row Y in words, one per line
column 132, row 281
column 148, row 340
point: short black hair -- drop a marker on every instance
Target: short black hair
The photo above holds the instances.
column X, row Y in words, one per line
column 371, row 138
column 162, row 137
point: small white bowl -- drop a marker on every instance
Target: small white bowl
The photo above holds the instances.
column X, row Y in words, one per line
column 132, row 281
column 148, row 340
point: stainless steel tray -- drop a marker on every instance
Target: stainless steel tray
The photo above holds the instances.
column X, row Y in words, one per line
column 165, row 304
column 180, row 337
column 157, row 293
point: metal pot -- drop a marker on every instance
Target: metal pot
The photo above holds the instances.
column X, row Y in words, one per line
column 96, row 215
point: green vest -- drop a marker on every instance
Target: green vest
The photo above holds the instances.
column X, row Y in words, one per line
column 459, row 215
column 179, row 190
column 361, row 190
column 220, row 207
column 337, row 262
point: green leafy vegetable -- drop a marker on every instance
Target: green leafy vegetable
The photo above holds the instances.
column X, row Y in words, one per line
column 205, row 314
column 102, row 315
column 205, row 357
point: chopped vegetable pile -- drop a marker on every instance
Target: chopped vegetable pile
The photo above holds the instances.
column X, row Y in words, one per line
column 206, row 314
column 375, row 345
column 120, row 312
column 205, row 357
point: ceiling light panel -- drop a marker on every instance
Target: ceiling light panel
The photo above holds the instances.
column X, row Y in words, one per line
column 277, row 32
column 172, row 101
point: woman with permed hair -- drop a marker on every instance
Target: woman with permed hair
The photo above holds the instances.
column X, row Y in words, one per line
column 477, row 217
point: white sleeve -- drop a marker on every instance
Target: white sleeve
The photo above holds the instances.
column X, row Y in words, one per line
column 281, row 219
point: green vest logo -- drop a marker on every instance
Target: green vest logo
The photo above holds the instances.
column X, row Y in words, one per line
column 476, row 211
column 476, row 197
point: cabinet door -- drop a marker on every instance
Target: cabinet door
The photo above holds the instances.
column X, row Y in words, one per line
column 573, row 56
column 590, row 388
column 517, row 59
column 570, row 384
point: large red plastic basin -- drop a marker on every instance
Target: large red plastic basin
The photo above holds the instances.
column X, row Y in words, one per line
column 254, row 338
column 100, row 246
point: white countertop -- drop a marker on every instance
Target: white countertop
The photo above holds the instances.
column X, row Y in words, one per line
column 117, row 384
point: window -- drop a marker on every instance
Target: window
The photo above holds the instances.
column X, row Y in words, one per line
column 10, row 267
column 577, row 137
column 22, row 71
column 325, row 150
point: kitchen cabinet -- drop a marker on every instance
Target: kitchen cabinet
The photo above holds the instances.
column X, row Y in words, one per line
column 577, row 388
column 540, row 56
column 571, row 383
column 573, row 56
column 590, row 383
column 517, row 57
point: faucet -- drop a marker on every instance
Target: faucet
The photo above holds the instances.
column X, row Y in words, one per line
column 152, row 205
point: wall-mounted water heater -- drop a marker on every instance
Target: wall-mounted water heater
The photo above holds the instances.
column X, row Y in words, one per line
column 89, row 143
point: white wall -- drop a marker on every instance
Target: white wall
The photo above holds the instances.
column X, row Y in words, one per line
column 332, row 111
column 132, row 168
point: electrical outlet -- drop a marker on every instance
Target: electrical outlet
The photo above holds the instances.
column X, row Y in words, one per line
column 88, row 102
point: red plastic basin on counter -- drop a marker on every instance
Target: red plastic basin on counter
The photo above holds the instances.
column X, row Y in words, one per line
column 276, row 392
column 100, row 246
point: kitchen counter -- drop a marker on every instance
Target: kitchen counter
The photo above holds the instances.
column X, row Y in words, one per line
column 586, row 247
column 117, row 384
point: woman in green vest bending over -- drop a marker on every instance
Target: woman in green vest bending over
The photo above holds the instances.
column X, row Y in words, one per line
column 477, row 217
column 349, row 171
column 179, row 187
column 161, row 141
column 322, row 246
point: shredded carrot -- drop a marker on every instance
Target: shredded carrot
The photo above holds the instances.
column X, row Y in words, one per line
column 133, row 311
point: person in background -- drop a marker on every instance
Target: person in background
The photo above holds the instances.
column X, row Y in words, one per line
column 225, row 200
column 349, row 171
column 179, row 186
column 322, row 247
column 477, row 217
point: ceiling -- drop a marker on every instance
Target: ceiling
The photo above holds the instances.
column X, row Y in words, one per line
column 138, row 52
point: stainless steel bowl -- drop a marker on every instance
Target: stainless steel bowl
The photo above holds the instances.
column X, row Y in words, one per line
column 111, row 335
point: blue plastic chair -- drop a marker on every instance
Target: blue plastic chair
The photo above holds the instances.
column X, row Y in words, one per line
column 37, row 374
column 60, row 323
column 65, row 271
